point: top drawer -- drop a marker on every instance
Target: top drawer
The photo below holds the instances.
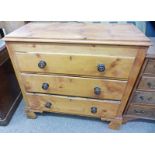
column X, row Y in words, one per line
column 86, row 60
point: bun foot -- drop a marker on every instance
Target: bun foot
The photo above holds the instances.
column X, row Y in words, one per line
column 31, row 115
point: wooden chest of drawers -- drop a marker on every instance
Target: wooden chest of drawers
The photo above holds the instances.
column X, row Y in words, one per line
column 86, row 69
column 142, row 101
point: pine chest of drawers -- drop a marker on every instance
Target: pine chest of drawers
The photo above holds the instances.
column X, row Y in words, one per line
column 86, row 69
column 141, row 104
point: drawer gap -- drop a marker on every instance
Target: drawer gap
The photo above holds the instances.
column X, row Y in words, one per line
column 78, row 97
column 74, row 75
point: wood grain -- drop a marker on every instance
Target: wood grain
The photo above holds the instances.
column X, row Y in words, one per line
column 75, row 50
column 132, row 79
column 143, row 97
column 76, row 64
column 147, row 83
column 91, row 49
column 74, row 86
column 141, row 103
column 80, row 33
column 17, row 72
column 72, row 105
column 135, row 88
column 150, row 67
column 141, row 111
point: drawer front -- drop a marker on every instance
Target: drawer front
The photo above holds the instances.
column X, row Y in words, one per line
column 76, row 64
column 147, row 83
column 150, row 67
column 141, row 111
column 74, row 86
column 72, row 105
column 141, row 97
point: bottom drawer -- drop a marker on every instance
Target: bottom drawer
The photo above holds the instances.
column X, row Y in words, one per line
column 142, row 111
column 73, row 105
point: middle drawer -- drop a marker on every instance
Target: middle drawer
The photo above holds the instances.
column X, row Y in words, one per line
column 74, row 86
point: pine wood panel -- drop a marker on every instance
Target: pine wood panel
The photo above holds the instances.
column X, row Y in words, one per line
column 76, row 64
column 105, row 50
column 72, row 105
column 17, row 72
column 80, row 33
column 65, row 85
column 132, row 79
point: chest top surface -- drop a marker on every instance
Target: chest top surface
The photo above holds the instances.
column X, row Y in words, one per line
column 73, row 32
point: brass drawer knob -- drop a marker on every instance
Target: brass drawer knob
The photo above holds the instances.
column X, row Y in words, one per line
column 48, row 105
column 101, row 67
column 93, row 110
column 97, row 91
column 45, row 86
column 42, row 64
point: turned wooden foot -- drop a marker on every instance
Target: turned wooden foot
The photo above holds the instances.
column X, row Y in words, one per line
column 30, row 114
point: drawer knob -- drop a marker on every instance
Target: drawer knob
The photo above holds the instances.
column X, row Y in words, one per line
column 149, row 98
column 42, row 64
column 151, row 85
column 101, row 67
column 139, row 111
column 45, row 86
column 93, row 110
column 48, row 105
column 141, row 97
column 97, row 91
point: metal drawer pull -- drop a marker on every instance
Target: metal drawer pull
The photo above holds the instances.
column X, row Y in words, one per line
column 97, row 91
column 101, row 67
column 42, row 64
column 149, row 99
column 48, row 105
column 93, row 110
column 139, row 111
column 45, row 86
column 141, row 97
column 150, row 85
